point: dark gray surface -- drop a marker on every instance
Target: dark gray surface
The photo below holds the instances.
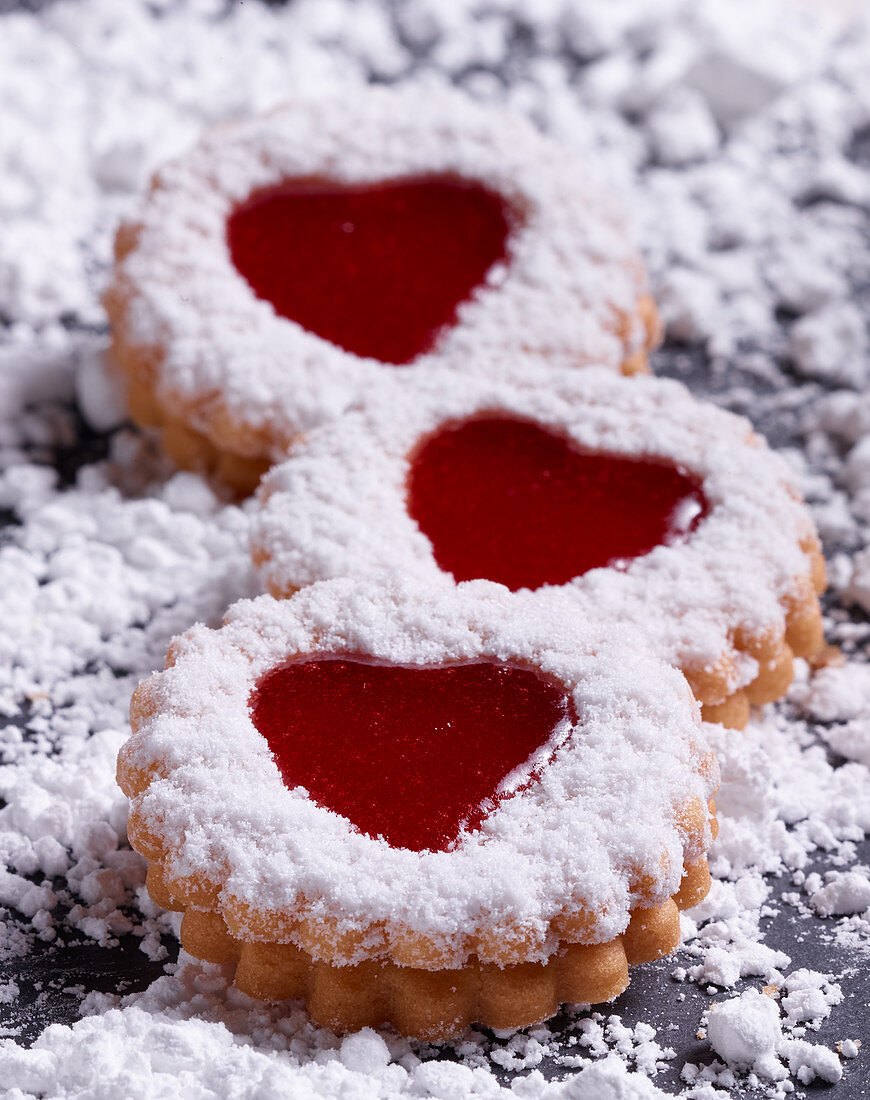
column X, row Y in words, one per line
column 52, row 977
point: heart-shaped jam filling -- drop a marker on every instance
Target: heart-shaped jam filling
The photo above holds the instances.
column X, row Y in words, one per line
column 378, row 270
column 413, row 755
column 507, row 500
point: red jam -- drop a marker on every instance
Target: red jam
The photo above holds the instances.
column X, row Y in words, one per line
column 378, row 270
column 414, row 755
column 509, row 501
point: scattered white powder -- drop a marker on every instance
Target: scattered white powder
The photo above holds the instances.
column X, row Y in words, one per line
column 751, row 230
column 808, row 1061
column 844, row 892
column 858, row 588
column 746, row 1031
column 831, row 343
column 809, row 996
column 842, row 696
column 189, row 1037
column 8, row 992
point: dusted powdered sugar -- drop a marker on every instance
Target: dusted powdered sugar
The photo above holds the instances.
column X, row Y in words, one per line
column 338, row 505
column 152, row 1045
column 569, row 288
column 565, row 842
column 764, row 222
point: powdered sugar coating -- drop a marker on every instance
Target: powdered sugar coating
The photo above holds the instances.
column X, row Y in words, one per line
column 337, row 506
column 250, row 379
column 566, row 842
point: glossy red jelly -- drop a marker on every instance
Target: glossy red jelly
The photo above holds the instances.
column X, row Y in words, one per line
column 413, row 755
column 507, row 500
column 378, row 270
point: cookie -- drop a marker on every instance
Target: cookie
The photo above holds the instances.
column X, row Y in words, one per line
column 419, row 806
column 629, row 499
column 275, row 274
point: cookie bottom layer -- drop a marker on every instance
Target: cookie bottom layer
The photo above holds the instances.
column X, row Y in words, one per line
column 239, row 467
column 437, row 1004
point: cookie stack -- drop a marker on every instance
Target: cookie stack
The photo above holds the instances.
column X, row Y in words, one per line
column 453, row 767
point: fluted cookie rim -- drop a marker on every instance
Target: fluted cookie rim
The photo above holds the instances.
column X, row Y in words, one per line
column 748, row 577
column 437, row 1005
column 513, row 898
column 219, row 371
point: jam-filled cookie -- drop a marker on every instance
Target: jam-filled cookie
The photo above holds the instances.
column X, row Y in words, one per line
column 629, row 498
column 420, row 806
column 280, row 269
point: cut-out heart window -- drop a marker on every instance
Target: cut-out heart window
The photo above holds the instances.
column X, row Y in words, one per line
column 507, row 500
column 415, row 755
column 378, row 270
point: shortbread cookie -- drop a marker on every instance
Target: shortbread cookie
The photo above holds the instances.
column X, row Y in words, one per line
column 420, row 806
column 289, row 262
column 629, row 498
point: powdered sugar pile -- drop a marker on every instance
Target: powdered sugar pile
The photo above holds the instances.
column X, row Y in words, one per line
column 746, row 171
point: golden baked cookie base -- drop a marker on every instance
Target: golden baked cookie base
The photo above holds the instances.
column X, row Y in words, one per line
column 436, row 1004
column 235, row 456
